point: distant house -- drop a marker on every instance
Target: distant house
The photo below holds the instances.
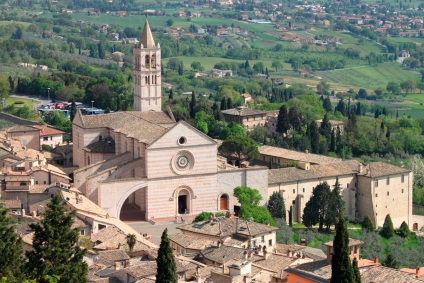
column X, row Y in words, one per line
column 131, row 40
column 201, row 31
column 49, row 136
column 216, row 73
column 247, row 117
column 121, row 13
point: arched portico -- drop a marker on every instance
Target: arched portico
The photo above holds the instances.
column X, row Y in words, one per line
column 132, row 205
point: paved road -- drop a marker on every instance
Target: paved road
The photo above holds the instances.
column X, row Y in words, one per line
column 155, row 230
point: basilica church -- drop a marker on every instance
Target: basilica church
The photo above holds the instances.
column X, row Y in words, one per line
column 144, row 165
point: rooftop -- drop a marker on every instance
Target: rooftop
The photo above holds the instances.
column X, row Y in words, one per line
column 293, row 174
column 352, row 242
column 379, row 169
column 47, row 131
column 243, row 111
column 190, row 242
column 381, row 274
column 109, row 257
column 21, row 128
column 296, row 155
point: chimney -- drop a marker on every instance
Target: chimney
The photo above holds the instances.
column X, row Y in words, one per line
column 250, row 253
column 223, row 264
column 210, row 219
column 245, row 255
column 417, row 271
column 360, row 167
column 218, row 243
column 303, row 242
column 376, row 260
column 236, row 224
column 267, row 223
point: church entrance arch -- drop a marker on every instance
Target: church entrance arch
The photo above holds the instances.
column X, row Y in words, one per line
column 183, row 198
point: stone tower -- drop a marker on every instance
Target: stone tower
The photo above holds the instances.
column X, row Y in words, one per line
column 147, row 73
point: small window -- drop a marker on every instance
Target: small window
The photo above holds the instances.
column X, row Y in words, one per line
column 36, row 182
column 82, row 232
column 402, row 191
column 270, row 242
column 294, row 202
column 388, row 193
column 22, row 184
column 376, row 183
column 263, row 239
column 51, row 138
column 402, row 178
column 388, row 181
column 303, row 189
column 45, row 182
column 294, row 191
column 45, row 138
column 347, row 186
column 376, row 195
column 182, row 140
column 263, row 157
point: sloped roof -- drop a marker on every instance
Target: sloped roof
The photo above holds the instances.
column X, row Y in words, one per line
column 296, row 155
column 379, row 169
column 12, row 203
column 223, row 254
column 47, row 131
column 147, row 37
column 145, row 127
column 101, row 146
column 21, row 128
column 381, row 274
column 293, row 174
column 109, row 257
column 189, row 241
column 243, row 111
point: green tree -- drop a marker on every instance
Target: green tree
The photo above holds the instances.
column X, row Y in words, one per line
column 17, row 34
column 323, row 88
column 291, row 216
column 73, row 111
column 166, row 267
column 247, row 196
column 10, row 249
column 341, row 267
column 196, row 66
column 55, row 246
column 335, row 205
column 326, row 104
column 203, row 216
column 101, row 50
column 276, row 65
column 356, row 272
column 5, row 87
column 171, row 94
column 408, row 86
column 387, row 231
column 283, row 120
column 393, row 87
column 131, row 240
column 232, row 130
column 276, row 206
column 404, row 231
column 192, row 104
column 390, row 261
column 367, row 224
column 169, row 22
column 316, row 209
column 243, row 147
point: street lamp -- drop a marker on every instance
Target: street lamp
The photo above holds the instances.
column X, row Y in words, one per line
column 48, row 94
column 92, row 101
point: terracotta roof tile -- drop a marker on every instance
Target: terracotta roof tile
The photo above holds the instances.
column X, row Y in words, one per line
column 47, row 131
column 108, row 258
column 243, row 111
column 378, row 169
column 12, row 203
column 352, row 242
column 21, row 128
column 381, row 274
column 190, row 242
column 297, row 155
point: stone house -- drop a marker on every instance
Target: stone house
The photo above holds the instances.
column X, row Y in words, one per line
column 247, row 117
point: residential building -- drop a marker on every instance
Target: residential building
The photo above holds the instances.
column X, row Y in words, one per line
column 49, row 136
column 247, row 117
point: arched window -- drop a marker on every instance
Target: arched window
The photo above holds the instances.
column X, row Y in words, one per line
column 223, row 202
column 153, row 62
column 147, row 61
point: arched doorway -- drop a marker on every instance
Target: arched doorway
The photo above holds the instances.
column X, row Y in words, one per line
column 223, row 202
column 183, row 202
column 134, row 206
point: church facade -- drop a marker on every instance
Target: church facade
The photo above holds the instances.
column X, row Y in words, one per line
column 145, row 160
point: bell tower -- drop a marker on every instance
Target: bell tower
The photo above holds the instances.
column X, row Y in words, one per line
column 147, row 73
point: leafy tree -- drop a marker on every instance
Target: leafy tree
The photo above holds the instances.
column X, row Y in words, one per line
column 196, row 66
column 56, row 250
column 341, row 267
column 131, row 240
column 390, row 261
column 393, row 87
column 17, row 34
column 310, row 217
column 416, row 165
column 367, row 224
column 229, row 103
column 232, row 130
column 283, row 120
column 223, row 104
column 404, row 231
column 169, row 22
column 276, row 206
column 284, row 232
column 10, row 249
column 25, row 112
column 408, row 86
column 341, row 107
column 316, row 209
column 388, row 230
column 356, row 272
column 277, row 65
column 362, row 93
column 247, row 196
column 323, row 88
column 243, row 147
column 295, row 118
column 166, row 267
column 5, row 87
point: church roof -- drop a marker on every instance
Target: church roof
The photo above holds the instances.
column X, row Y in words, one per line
column 145, row 127
column 147, row 37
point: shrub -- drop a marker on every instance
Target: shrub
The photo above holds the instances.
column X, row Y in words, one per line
column 19, row 102
column 203, row 216
column 367, row 224
column 404, row 231
column 46, row 147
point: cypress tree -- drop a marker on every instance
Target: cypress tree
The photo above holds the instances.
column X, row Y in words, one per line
column 73, row 111
column 358, row 109
column 404, row 230
column 388, row 133
column 10, row 249
column 166, row 267
column 171, row 94
column 223, row 104
column 282, row 120
column 341, row 267
column 291, row 216
column 388, row 231
column 390, row 261
column 367, row 224
column 326, row 104
column 356, row 272
column 276, row 206
column 229, row 103
column 56, row 250
column 314, row 136
column 333, row 141
column 192, row 104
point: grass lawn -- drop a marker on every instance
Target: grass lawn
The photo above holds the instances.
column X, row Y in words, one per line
column 368, row 77
column 26, row 101
column 3, row 23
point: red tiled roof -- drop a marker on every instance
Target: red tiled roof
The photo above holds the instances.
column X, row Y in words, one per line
column 47, row 131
